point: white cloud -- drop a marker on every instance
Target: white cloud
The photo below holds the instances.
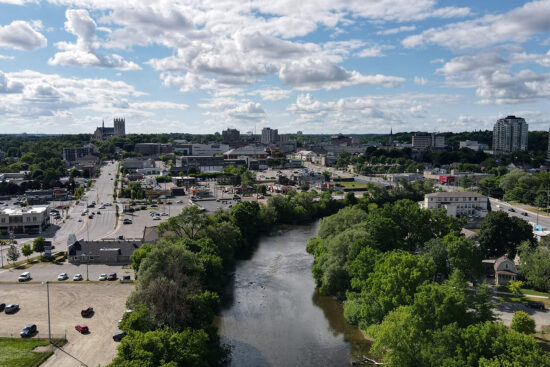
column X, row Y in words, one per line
column 401, row 29
column 420, row 80
column 272, row 94
column 84, row 51
column 517, row 25
column 375, row 51
column 233, row 110
column 8, row 85
column 21, row 35
column 318, row 74
column 4, row 57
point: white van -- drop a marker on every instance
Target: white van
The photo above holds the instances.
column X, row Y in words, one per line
column 24, row 277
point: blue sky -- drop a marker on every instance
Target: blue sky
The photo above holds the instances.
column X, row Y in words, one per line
column 327, row 66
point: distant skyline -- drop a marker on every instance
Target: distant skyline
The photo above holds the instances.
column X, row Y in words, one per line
column 321, row 67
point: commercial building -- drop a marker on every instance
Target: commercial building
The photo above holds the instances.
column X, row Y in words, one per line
column 30, row 220
column 426, row 140
column 102, row 252
column 510, row 134
column 119, row 130
column 457, row 204
column 152, row 148
column 231, row 136
column 201, row 163
column 473, row 145
column 247, row 151
column 137, row 163
column 208, row 150
column 269, row 136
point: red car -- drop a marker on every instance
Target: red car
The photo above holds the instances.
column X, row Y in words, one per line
column 83, row 329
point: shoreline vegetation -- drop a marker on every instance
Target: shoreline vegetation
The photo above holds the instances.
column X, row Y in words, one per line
column 404, row 274
column 179, row 280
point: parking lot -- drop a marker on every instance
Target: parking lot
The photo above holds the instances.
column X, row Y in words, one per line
column 43, row 272
column 66, row 302
column 505, row 312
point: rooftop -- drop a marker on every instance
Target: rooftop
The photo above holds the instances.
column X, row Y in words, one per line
column 459, row 194
column 24, row 210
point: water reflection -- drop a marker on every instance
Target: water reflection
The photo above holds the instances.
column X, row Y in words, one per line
column 274, row 317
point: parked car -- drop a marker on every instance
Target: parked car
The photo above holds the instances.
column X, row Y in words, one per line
column 102, row 277
column 156, row 217
column 536, row 305
column 164, row 214
column 511, row 210
column 2, row 306
column 77, row 277
column 83, row 329
column 118, row 336
column 127, row 221
column 112, row 276
column 13, row 308
column 28, row 331
column 525, row 214
column 24, row 277
column 87, row 311
column 62, row 276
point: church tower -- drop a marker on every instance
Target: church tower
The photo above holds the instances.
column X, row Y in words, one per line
column 120, row 127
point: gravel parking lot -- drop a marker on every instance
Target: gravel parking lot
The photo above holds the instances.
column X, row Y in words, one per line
column 66, row 302
column 43, row 272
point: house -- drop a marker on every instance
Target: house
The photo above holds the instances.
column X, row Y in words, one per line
column 503, row 269
column 457, row 204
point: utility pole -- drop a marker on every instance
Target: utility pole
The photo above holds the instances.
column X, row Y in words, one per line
column 48, row 298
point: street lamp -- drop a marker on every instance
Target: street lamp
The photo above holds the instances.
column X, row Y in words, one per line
column 87, row 262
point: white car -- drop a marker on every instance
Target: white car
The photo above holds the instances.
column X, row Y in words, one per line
column 102, row 277
column 77, row 277
column 164, row 214
column 62, row 276
column 156, row 217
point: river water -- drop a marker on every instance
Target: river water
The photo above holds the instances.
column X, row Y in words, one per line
column 273, row 315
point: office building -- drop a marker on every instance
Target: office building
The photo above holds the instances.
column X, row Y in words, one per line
column 269, row 136
column 457, row 204
column 152, row 148
column 427, row 140
column 473, row 145
column 200, row 149
column 510, row 135
column 71, row 155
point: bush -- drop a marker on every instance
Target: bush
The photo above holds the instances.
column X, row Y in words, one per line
column 523, row 323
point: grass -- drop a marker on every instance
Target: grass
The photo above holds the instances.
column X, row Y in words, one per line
column 543, row 339
column 24, row 264
column 523, row 300
column 524, row 291
column 352, row 185
column 17, row 352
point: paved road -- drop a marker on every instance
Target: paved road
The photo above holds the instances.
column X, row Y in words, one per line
column 43, row 272
column 505, row 312
column 518, row 212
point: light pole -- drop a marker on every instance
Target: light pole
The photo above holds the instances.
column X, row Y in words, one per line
column 87, row 262
column 48, row 298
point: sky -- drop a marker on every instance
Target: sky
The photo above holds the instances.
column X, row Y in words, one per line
column 325, row 66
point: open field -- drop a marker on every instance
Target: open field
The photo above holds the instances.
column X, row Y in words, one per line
column 66, row 301
column 352, row 185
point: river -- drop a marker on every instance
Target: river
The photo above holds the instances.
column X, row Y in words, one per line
column 273, row 315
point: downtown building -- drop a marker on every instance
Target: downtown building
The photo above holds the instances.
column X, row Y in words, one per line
column 426, row 140
column 269, row 136
column 510, row 135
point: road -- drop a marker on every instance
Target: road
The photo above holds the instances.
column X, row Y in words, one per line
column 531, row 217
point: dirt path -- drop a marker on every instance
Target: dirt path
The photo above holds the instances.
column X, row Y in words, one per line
column 66, row 301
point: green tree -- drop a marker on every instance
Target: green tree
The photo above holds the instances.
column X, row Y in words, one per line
column 26, row 250
column 464, row 255
column 523, row 323
column 501, row 234
column 185, row 225
column 140, row 254
column 12, row 254
column 38, row 244
column 535, row 265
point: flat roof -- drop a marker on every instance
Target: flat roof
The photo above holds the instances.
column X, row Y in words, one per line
column 24, row 210
column 458, row 194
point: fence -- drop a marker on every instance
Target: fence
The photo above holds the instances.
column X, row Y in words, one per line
column 37, row 335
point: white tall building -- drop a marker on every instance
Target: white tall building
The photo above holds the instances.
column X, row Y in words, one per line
column 510, row 134
column 457, row 204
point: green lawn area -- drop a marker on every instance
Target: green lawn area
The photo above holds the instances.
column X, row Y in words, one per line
column 520, row 299
column 352, row 185
column 16, row 352
column 543, row 338
column 525, row 291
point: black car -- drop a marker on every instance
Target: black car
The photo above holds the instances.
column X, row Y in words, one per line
column 112, row 276
column 2, row 306
column 28, row 331
column 537, row 305
column 525, row 214
column 511, row 210
column 118, row 336
column 11, row 308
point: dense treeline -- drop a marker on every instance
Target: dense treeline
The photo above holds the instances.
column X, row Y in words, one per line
column 518, row 185
column 404, row 274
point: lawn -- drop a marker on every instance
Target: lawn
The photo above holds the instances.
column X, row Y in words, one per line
column 524, row 291
column 543, row 339
column 352, row 185
column 520, row 299
column 16, row 352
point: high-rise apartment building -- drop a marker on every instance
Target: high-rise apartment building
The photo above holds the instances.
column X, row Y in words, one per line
column 510, row 135
column 231, row 136
column 269, row 136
